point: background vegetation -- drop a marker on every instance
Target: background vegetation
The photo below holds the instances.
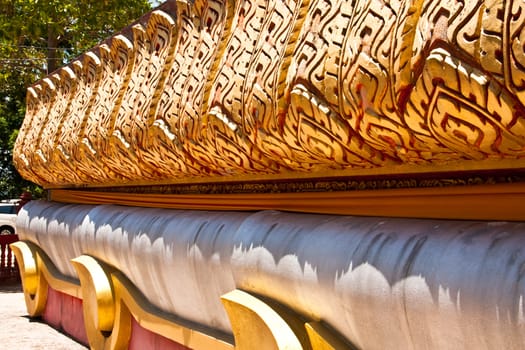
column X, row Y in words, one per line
column 37, row 37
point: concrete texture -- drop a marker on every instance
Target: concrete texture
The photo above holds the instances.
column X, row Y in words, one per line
column 20, row 332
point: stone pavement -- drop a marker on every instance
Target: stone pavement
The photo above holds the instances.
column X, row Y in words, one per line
column 18, row 331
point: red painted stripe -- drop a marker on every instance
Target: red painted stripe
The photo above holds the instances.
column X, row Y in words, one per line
column 64, row 312
column 144, row 339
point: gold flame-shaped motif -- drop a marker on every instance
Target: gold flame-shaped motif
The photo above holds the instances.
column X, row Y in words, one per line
column 213, row 90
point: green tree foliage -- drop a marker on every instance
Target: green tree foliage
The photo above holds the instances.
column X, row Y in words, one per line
column 37, row 37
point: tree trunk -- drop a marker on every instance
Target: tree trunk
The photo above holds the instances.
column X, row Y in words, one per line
column 52, row 54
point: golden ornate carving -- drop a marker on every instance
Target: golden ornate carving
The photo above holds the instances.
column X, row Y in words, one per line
column 117, row 64
column 315, row 185
column 88, row 78
column 20, row 159
column 153, row 47
column 45, row 93
column 65, row 82
column 216, row 89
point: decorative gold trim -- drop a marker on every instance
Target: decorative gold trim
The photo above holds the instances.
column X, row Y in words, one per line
column 460, row 202
column 150, row 319
column 33, row 283
column 218, row 90
column 264, row 324
column 37, row 272
column 256, row 325
column 111, row 301
column 99, row 306
column 317, row 185
column 322, row 339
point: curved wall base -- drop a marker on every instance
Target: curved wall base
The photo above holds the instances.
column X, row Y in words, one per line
column 285, row 280
column 110, row 313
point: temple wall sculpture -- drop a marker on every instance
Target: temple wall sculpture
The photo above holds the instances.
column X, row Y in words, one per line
column 297, row 174
column 213, row 90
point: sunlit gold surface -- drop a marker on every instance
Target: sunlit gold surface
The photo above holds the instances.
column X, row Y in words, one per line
column 219, row 89
column 35, row 286
column 322, row 339
column 37, row 272
column 259, row 324
column 255, row 324
column 98, row 303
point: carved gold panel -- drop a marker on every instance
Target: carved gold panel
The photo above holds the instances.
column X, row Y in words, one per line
column 154, row 46
column 217, row 90
column 20, row 159
column 117, row 64
column 65, row 87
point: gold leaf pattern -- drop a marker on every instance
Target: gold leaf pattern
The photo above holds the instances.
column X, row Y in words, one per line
column 220, row 90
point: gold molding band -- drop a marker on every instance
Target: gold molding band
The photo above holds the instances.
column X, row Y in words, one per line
column 461, row 202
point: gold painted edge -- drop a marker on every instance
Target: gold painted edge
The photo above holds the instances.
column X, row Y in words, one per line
column 504, row 166
column 455, row 203
column 255, row 323
column 144, row 314
column 52, row 275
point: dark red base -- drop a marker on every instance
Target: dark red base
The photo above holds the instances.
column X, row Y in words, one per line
column 64, row 313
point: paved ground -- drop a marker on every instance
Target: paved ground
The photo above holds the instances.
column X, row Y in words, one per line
column 18, row 331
